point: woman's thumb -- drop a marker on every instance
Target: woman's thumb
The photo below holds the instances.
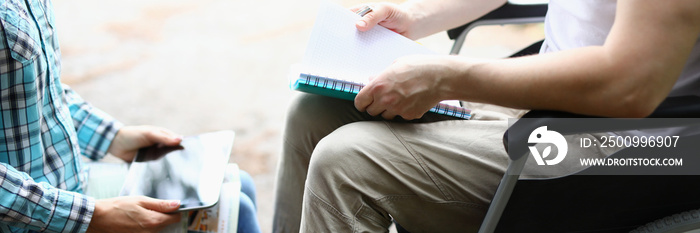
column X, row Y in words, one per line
column 163, row 206
column 163, row 136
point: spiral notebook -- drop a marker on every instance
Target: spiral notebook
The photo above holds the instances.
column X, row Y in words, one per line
column 339, row 59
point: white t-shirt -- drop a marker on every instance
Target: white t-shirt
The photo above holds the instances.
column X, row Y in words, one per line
column 578, row 23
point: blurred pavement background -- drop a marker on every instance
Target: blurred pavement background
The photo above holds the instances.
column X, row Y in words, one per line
column 195, row 66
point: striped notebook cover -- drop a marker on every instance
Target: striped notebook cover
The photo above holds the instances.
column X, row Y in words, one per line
column 348, row 90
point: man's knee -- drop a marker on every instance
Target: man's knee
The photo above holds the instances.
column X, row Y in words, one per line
column 334, row 153
column 310, row 109
column 312, row 117
column 301, row 105
column 346, row 154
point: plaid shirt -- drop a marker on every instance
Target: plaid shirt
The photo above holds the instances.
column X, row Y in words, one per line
column 44, row 126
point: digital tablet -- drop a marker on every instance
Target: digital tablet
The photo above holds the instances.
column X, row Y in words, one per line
column 191, row 172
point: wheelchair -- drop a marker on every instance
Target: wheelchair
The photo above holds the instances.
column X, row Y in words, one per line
column 585, row 203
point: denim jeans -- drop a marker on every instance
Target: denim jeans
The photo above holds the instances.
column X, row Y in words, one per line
column 247, row 219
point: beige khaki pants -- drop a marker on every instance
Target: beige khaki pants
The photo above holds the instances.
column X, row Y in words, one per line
column 345, row 171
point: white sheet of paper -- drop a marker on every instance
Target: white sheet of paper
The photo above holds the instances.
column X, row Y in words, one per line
column 337, row 49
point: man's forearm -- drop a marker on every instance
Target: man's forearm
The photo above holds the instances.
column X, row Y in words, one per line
column 580, row 81
column 437, row 16
column 584, row 80
column 627, row 76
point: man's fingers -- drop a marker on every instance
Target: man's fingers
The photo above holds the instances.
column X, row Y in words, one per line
column 365, row 102
column 379, row 13
column 363, row 99
column 388, row 115
column 375, row 109
column 412, row 116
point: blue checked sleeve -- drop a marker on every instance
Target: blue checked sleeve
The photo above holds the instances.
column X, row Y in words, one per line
column 40, row 207
column 96, row 129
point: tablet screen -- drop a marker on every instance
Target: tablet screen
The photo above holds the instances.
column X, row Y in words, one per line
column 191, row 172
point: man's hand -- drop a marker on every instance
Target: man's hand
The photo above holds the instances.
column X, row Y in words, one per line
column 389, row 15
column 130, row 138
column 408, row 88
column 417, row 19
column 133, row 214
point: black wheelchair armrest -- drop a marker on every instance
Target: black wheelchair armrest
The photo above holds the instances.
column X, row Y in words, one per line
column 673, row 107
column 507, row 11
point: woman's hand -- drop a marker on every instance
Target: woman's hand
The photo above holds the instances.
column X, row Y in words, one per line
column 130, row 139
column 133, row 214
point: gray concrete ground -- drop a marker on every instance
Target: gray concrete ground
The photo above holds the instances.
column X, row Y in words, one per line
column 195, row 66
